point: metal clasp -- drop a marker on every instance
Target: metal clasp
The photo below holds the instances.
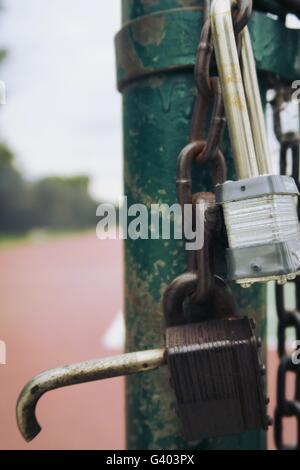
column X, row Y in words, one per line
column 90, row 371
column 241, row 94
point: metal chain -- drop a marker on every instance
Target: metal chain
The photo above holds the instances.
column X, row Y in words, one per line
column 206, row 150
column 286, row 408
column 209, row 88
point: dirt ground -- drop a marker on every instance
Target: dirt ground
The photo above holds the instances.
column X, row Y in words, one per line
column 58, row 299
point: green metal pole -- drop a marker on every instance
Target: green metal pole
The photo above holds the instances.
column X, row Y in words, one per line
column 156, row 51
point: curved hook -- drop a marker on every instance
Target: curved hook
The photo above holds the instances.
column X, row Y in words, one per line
column 90, row 371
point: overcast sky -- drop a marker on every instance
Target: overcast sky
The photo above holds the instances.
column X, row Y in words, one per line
column 63, row 113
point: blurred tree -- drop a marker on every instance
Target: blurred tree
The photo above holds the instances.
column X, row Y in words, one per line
column 14, row 196
column 51, row 203
column 64, row 203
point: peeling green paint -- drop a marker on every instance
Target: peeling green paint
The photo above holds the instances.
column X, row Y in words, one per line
column 147, row 4
column 150, row 31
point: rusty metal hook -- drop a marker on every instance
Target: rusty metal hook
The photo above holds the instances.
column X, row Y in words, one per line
column 193, row 152
column 90, row 371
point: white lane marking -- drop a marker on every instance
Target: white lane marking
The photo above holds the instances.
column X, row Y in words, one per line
column 114, row 337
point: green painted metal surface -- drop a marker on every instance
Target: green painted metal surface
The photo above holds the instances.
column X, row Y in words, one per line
column 168, row 40
column 157, row 113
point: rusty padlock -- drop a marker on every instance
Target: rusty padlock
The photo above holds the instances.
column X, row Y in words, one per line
column 215, row 369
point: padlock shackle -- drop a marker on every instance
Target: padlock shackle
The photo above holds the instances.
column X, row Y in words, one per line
column 90, row 371
column 233, row 89
column 255, row 108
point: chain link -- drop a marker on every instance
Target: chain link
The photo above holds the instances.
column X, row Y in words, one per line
column 206, row 149
column 286, row 408
column 209, row 87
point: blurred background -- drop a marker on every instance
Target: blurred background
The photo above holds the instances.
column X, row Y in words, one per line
column 60, row 155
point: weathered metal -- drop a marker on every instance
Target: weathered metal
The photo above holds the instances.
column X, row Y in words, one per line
column 216, row 375
column 209, row 95
column 75, row 374
column 233, row 91
column 156, row 54
column 204, row 207
column 204, row 262
column 257, row 119
column 261, row 222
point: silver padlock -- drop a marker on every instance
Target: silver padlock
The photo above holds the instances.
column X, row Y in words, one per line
column 260, row 209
